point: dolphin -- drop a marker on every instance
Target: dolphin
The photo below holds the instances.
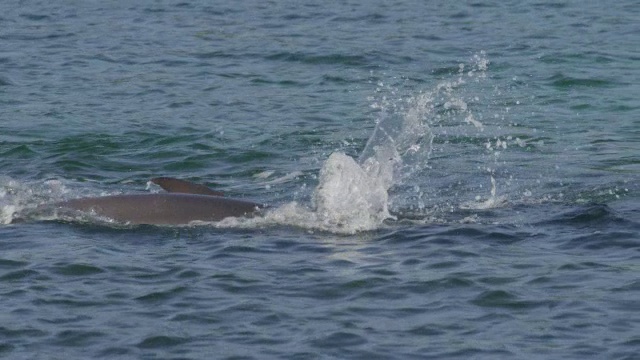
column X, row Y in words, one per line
column 183, row 203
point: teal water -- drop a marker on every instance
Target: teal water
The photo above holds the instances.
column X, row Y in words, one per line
column 502, row 138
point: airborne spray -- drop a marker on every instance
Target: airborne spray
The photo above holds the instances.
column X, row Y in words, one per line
column 358, row 195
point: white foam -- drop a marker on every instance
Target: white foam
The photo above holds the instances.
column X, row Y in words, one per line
column 347, row 200
column 12, row 197
column 349, row 196
column 7, row 213
column 18, row 200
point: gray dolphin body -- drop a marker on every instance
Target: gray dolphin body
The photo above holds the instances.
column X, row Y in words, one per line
column 184, row 203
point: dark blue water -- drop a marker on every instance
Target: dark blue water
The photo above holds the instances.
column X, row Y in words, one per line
column 493, row 209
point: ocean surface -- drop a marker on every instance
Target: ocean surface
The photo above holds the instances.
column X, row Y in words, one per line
column 447, row 180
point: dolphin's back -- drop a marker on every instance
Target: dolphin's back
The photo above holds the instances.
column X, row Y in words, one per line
column 161, row 209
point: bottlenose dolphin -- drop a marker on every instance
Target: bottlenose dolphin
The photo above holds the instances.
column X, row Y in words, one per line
column 183, row 203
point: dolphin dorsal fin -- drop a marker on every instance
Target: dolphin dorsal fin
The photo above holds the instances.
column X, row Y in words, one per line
column 173, row 185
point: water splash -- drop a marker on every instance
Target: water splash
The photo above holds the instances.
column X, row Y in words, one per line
column 347, row 200
column 399, row 150
column 493, row 201
column 18, row 199
column 354, row 195
column 357, row 195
